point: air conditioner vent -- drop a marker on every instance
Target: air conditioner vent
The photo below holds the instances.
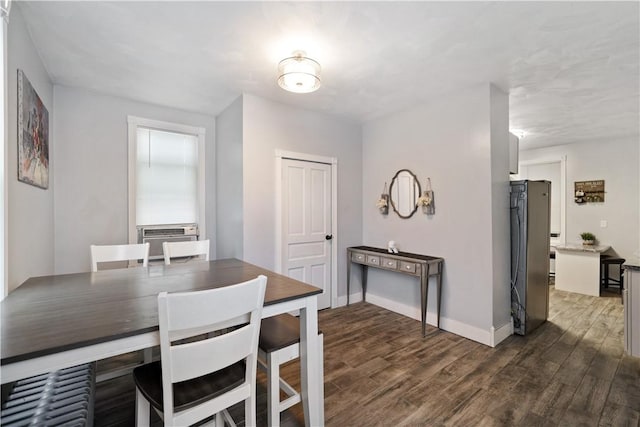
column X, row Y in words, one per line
column 149, row 232
column 156, row 235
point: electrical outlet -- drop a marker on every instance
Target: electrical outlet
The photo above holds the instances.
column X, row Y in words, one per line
column 603, row 223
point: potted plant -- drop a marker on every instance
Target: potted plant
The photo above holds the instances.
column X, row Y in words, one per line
column 588, row 238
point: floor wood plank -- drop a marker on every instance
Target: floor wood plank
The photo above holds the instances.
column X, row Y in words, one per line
column 379, row 371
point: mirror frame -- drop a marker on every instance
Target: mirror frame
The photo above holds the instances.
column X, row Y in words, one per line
column 393, row 205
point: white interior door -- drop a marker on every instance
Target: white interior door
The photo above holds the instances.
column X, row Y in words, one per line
column 306, row 224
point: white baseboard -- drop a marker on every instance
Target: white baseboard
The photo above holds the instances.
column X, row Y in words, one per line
column 342, row 301
column 502, row 333
column 491, row 337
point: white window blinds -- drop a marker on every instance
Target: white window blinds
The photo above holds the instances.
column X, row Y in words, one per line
column 166, row 177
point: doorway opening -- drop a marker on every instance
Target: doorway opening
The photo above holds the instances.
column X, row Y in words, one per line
column 554, row 171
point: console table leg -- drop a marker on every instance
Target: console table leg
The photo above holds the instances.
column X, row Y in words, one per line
column 439, row 291
column 365, row 271
column 424, row 293
column 348, row 276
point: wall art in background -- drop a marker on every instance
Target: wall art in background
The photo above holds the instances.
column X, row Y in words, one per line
column 33, row 135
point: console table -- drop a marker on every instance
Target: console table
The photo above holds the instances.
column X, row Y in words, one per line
column 421, row 266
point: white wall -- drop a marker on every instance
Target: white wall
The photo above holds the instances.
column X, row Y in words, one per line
column 30, row 211
column 449, row 140
column 615, row 161
column 229, row 171
column 500, row 218
column 268, row 126
column 91, row 170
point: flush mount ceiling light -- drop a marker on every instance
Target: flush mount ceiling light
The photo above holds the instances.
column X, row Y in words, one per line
column 298, row 73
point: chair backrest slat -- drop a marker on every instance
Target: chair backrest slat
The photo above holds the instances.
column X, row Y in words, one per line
column 199, row 248
column 110, row 253
column 192, row 310
column 195, row 359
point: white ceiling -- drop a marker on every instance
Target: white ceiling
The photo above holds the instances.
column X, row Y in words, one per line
column 571, row 68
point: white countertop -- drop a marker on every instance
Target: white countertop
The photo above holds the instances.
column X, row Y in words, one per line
column 579, row 247
column 632, row 264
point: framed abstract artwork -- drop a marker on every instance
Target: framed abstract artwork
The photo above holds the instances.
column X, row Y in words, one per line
column 33, row 135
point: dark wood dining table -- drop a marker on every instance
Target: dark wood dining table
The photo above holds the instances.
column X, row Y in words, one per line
column 54, row 322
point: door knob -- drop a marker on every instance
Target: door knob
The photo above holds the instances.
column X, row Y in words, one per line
column 328, row 236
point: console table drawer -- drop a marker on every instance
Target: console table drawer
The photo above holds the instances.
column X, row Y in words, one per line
column 358, row 258
column 409, row 267
column 373, row 260
column 390, row 263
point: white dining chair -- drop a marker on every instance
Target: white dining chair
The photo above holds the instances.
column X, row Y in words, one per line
column 200, row 375
column 110, row 253
column 195, row 248
column 279, row 343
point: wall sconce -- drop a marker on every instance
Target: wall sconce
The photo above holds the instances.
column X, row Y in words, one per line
column 298, row 73
column 383, row 201
column 426, row 199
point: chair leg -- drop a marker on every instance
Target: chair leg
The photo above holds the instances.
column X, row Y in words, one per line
column 249, row 409
column 143, row 410
column 273, row 394
column 218, row 420
column 274, row 384
column 321, row 359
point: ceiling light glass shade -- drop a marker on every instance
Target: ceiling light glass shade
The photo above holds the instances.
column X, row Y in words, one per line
column 299, row 74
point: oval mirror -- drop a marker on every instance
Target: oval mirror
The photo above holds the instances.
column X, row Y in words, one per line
column 404, row 192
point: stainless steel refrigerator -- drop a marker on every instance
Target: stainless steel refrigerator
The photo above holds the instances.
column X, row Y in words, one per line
column 530, row 234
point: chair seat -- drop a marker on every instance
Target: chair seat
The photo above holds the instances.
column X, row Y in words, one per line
column 612, row 260
column 278, row 332
column 187, row 394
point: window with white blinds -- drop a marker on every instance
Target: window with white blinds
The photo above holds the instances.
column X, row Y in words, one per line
column 166, row 174
column 167, row 177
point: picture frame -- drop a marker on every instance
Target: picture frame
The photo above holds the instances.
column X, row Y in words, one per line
column 33, row 135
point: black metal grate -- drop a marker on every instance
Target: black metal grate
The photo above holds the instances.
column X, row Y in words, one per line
column 59, row 398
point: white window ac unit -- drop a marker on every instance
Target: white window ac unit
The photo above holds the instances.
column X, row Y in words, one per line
column 155, row 235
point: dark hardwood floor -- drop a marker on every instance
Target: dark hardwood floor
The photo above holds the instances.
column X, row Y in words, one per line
column 380, row 372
